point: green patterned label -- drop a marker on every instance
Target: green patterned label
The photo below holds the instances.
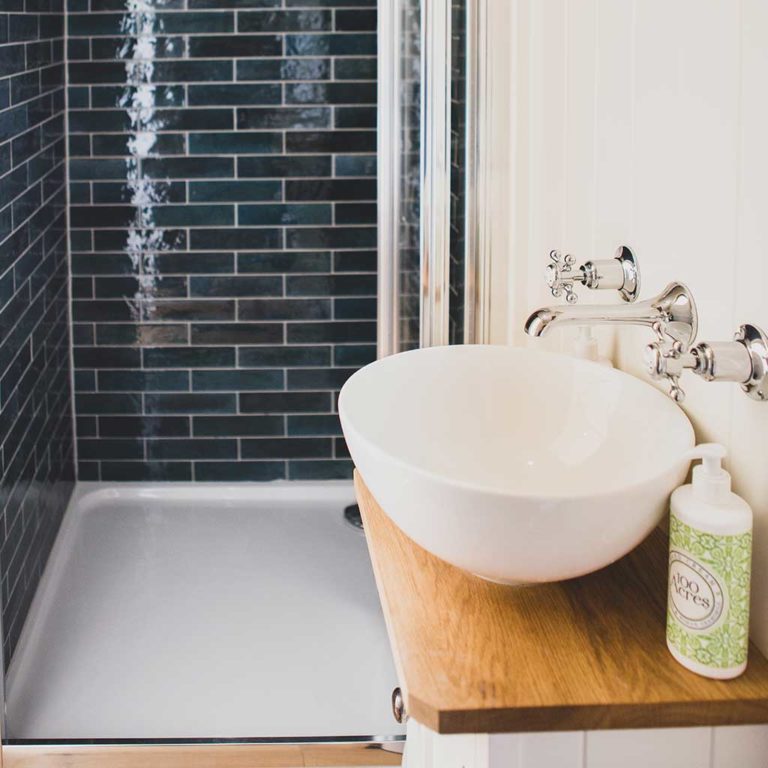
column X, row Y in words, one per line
column 708, row 600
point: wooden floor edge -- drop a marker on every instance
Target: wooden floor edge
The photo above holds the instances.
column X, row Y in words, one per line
column 202, row 756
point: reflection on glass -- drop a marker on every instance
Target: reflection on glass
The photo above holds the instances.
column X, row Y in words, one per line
column 410, row 143
column 458, row 170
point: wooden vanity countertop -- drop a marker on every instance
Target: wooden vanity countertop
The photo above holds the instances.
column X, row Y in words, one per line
column 590, row 653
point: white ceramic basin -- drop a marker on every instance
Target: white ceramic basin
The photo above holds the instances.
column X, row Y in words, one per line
column 516, row 465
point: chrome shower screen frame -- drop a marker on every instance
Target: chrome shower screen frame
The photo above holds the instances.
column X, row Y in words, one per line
column 436, row 33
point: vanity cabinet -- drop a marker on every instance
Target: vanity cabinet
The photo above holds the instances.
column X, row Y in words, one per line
column 483, row 665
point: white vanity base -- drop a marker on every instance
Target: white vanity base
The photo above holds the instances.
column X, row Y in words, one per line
column 427, row 749
column 724, row 747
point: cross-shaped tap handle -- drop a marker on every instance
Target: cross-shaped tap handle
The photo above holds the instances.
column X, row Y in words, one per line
column 561, row 276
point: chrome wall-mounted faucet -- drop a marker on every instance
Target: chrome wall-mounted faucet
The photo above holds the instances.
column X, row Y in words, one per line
column 672, row 314
column 673, row 317
column 619, row 273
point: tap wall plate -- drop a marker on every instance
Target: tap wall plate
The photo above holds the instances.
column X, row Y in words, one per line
column 756, row 342
column 631, row 288
column 677, row 307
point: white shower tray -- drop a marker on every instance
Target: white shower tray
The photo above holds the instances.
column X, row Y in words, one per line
column 187, row 611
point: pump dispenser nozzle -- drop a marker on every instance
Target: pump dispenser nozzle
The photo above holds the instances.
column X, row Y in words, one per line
column 710, row 481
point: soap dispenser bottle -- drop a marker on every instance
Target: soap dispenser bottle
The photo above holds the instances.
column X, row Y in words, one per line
column 710, row 557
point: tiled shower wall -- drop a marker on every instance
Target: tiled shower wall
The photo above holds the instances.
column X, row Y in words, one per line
column 223, row 238
column 36, row 446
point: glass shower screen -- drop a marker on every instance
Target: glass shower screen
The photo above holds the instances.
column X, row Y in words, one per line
column 432, row 269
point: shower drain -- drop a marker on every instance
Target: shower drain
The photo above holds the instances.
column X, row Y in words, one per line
column 353, row 517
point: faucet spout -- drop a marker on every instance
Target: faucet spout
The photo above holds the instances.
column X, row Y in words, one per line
column 672, row 313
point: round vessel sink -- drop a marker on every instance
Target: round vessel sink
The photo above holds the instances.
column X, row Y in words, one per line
column 517, row 465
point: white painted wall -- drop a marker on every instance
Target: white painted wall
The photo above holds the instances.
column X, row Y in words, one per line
column 645, row 122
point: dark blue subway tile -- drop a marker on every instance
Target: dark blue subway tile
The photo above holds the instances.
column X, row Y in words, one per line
column 357, row 20
column 284, row 261
column 126, row 287
column 88, row 470
column 190, row 357
column 283, row 69
column 355, row 117
column 284, row 357
column 331, row 93
column 318, row 378
column 285, row 402
column 355, row 68
column 320, row 470
column 143, row 334
column 180, row 448
column 239, row 94
column 190, row 403
column 144, row 426
column 236, row 143
column 192, row 309
column 284, row 309
column 235, row 46
column 237, row 333
column 354, row 309
column 238, row 426
column 108, row 403
column 355, row 261
column 330, row 189
column 135, row 471
column 284, row 215
column 111, row 96
column 322, row 425
column 331, row 237
column 355, row 213
column 87, row 426
column 331, row 45
column 107, row 357
column 284, row 117
column 356, row 355
column 237, row 380
column 284, row 167
column 339, row 332
column 239, row 471
column 191, row 22
column 236, row 286
column 237, row 239
column 234, row 191
column 143, row 381
column 284, row 21
column 189, row 167
column 121, row 192
column 287, row 448
column 355, row 165
column 109, row 449
column 194, row 263
column 234, row 3
column 193, row 215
